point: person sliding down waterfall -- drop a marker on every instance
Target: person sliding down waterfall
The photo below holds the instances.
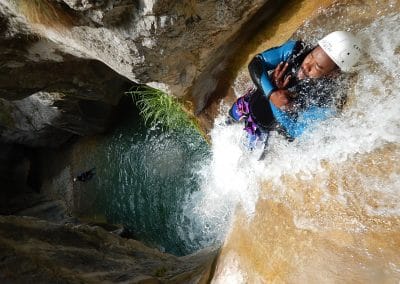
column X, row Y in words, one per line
column 295, row 86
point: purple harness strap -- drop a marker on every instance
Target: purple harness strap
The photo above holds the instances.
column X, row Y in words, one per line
column 243, row 107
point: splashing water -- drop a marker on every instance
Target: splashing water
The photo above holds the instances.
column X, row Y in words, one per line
column 333, row 194
column 337, row 186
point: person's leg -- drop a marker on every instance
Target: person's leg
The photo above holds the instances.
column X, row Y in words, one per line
column 257, row 139
column 234, row 113
column 240, row 109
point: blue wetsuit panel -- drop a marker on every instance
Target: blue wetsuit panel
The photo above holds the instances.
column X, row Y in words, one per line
column 295, row 127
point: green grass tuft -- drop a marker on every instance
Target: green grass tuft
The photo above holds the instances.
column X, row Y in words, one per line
column 158, row 108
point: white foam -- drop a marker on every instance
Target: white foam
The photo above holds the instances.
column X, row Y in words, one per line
column 370, row 120
column 229, row 271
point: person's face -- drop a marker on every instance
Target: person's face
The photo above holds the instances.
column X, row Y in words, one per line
column 316, row 65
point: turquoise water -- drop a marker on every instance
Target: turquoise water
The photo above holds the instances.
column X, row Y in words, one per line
column 143, row 177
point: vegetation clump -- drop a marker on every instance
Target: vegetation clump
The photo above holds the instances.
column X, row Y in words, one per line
column 158, row 108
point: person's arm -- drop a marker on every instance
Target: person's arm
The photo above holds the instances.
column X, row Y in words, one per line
column 266, row 61
column 296, row 126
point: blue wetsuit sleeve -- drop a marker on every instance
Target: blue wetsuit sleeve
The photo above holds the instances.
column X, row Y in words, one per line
column 266, row 84
column 270, row 59
column 295, row 127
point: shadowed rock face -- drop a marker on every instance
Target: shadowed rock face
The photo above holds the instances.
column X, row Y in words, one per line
column 47, row 95
column 182, row 47
column 43, row 252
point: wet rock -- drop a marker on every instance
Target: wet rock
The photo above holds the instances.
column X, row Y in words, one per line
column 46, row 94
column 14, row 171
column 51, row 210
column 182, row 47
column 82, row 55
column 19, row 192
column 37, row 251
column 51, row 118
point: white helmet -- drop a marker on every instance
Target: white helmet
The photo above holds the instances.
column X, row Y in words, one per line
column 343, row 48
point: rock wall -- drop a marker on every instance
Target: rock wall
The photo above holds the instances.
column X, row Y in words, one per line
column 47, row 94
column 182, row 47
column 32, row 250
column 14, row 169
column 65, row 64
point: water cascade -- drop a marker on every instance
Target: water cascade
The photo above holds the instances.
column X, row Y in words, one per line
column 324, row 208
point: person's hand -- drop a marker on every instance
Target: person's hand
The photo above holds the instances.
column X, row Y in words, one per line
column 278, row 76
column 280, row 98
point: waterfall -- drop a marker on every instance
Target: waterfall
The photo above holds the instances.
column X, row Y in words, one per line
column 325, row 207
